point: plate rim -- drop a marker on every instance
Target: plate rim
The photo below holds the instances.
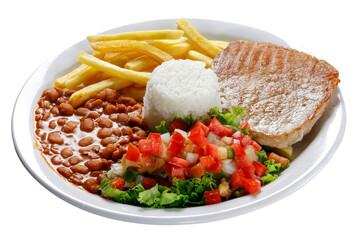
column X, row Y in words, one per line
column 208, row 216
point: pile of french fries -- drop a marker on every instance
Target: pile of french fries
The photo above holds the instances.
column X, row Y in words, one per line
column 124, row 61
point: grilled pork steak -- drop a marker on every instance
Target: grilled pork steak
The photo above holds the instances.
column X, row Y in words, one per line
column 283, row 90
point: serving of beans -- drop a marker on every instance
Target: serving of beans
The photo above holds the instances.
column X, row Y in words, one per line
column 81, row 143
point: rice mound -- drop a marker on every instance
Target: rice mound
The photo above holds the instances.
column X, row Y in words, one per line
column 176, row 86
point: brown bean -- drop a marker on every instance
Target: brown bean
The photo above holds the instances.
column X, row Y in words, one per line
column 55, row 138
column 55, row 111
column 61, row 121
column 52, row 94
column 38, row 117
column 79, row 169
column 87, row 125
column 104, row 122
column 126, row 100
column 66, row 152
column 117, row 154
column 69, row 127
column 86, row 141
column 100, row 178
column 60, row 101
column 69, row 93
column 123, row 119
column 117, row 132
column 136, row 121
column 104, row 132
column 66, row 164
column 123, row 141
column 75, row 180
column 91, row 185
column 39, row 124
column 66, row 109
column 56, row 160
column 127, row 131
column 93, row 103
column 121, row 108
column 46, row 116
column 95, row 165
column 52, row 124
column 64, row 172
column 74, row 160
column 95, row 148
column 95, row 173
column 139, row 132
column 43, row 136
column 110, row 109
column 107, row 152
column 106, row 141
column 93, row 115
column 81, row 111
column 108, row 95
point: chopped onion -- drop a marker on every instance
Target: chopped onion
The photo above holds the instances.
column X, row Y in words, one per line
column 192, row 157
column 165, row 137
column 229, row 167
column 116, row 171
column 250, row 153
column 212, row 137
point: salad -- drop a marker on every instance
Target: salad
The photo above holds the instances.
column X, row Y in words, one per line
column 193, row 162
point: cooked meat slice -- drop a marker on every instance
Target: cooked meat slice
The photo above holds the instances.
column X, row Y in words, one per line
column 283, row 90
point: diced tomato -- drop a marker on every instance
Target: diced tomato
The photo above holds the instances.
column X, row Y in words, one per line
column 212, row 197
column 211, row 150
column 162, row 182
column 251, row 185
column 249, row 171
column 167, row 168
column 236, row 180
column 216, row 127
column 238, row 150
column 246, row 140
column 145, row 146
column 178, row 124
column 178, row 173
column 197, row 137
column 238, row 135
column 203, row 127
column 176, row 144
column 207, row 161
column 207, row 121
column 278, row 159
column 259, row 168
column 148, row 182
column 216, row 167
column 118, row 184
column 132, row 153
column 198, row 170
column 179, row 162
column 198, row 150
column 157, row 145
column 256, row 146
column 242, row 162
column 245, row 125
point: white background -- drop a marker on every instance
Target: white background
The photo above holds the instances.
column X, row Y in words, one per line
column 35, row 31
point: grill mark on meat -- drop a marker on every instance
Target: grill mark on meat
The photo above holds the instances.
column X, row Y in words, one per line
column 282, row 89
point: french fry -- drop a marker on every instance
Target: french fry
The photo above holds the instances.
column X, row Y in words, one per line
column 164, row 43
column 136, row 93
column 121, row 58
column 113, row 70
column 131, row 45
column 82, row 95
column 194, row 55
column 77, row 76
column 221, row 44
column 190, row 32
column 139, row 35
column 141, row 63
column 178, row 50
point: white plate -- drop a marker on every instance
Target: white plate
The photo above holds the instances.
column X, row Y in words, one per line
column 311, row 154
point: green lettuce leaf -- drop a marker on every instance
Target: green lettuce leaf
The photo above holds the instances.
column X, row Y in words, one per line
column 268, row 178
column 162, row 128
column 262, row 156
column 272, row 167
column 230, row 119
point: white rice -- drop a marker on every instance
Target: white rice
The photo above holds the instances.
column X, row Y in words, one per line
column 180, row 86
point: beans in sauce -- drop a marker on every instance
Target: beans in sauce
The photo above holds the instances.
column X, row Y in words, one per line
column 81, row 143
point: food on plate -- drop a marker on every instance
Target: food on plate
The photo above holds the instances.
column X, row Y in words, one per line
column 81, row 143
column 179, row 86
column 155, row 118
column 284, row 91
